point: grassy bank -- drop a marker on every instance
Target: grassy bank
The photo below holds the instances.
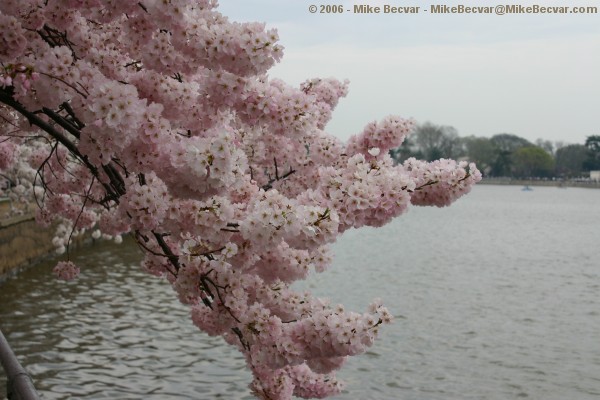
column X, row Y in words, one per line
column 541, row 182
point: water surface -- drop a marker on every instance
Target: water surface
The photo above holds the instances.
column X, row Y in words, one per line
column 495, row 298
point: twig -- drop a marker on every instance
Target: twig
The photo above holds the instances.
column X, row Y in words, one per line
column 269, row 185
column 174, row 259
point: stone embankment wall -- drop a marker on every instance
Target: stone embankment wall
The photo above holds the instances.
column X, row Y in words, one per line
column 22, row 242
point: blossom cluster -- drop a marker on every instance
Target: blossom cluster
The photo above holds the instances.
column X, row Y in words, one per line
column 16, row 174
column 442, row 181
column 66, row 270
column 158, row 119
column 326, row 93
column 13, row 41
column 7, row 154
column 385, row 135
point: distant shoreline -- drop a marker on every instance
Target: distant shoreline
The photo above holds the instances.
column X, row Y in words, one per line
column 540, row 182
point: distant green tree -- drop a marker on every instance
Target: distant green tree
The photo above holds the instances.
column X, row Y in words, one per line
column 506, row 145
column 569, row 160
column 437, row 141
column 407, row 150
column 592, row 163
column 546, row 145
column 593, row 143
column 532, row 161
column 481, row 151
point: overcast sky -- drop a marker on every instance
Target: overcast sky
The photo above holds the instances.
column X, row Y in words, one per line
column 535, row 76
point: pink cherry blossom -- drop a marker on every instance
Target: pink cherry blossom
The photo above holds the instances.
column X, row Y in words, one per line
column 66, row 270
column 158, row 119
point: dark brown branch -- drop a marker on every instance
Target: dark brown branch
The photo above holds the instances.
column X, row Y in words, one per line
column 86, row 197
column 205, row 287
column 136, row 64
column 269, row 185
column 174, row 259
column 177, row 76
column 66, row 83
column 35, row 120
column 205, row 280
column 74, row 120
column 240, row 336
column 60, row 120
column 465, row 178
column 434, row 182
column 230, row 230
column 11, row 183
column 231, row 227
column 116, row 181
column 56, row 38
column 40, row 123
column 422, row 186
column 137, row 237
column 40, row 173
column 208, row 253
column 322, row 217
column 65, row 168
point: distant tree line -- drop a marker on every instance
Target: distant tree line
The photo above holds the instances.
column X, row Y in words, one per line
column 504, row 154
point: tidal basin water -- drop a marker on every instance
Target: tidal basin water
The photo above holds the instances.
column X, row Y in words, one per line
column 496, row 297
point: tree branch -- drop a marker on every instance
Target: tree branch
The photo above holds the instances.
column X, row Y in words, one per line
column 269, row 185
column 174, row 259
column 115, row 190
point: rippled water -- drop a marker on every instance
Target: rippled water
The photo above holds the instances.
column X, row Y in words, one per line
column 115, row 333
column 496, row 297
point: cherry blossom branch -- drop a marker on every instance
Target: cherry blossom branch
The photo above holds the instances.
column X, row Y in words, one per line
column 208, row 254
column 66, row 83
column 203, row 120
column 205, row 282
column 269, row 184
column 322, row 217
column 424, row 185
column 137, row 64
column 39, row 173
column 230, row 230
column 204, row 279
column 76, row 122
column 143, row 7
column 467, row 176
column 62, row 122
column 85, row 199
column 173, row 259
column 116, row 181
column 240, row 336
column 56, row 38
column 114, row 190
column 10, row 181
column 231, row 227
column 138, row 236
column 40, row 123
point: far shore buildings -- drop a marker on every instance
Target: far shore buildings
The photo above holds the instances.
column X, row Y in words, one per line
column 595, row 175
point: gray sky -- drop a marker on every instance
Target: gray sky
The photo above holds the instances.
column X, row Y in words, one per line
column 535, row 76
